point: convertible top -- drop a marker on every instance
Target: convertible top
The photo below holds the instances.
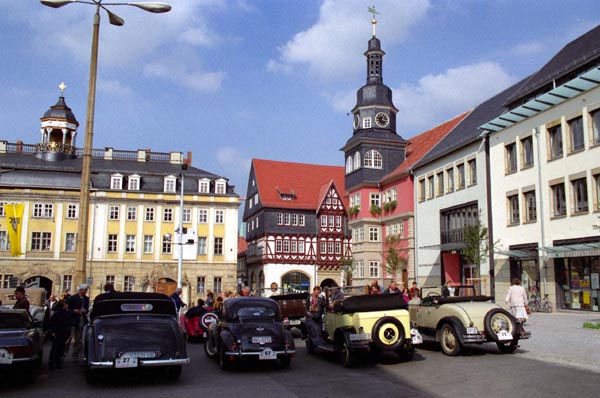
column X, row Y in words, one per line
column 113, row 303
column 366, row 303
column 290, row 296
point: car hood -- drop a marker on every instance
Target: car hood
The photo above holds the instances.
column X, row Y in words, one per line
column 474, row 311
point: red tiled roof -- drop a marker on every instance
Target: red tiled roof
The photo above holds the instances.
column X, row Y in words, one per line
column 419, row 145
column 242, row 245
column 308, row 182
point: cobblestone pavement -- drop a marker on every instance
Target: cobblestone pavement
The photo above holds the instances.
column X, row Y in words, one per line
column 560, row 337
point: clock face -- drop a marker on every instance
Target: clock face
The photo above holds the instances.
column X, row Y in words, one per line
column 356, row 121
column 381, row 119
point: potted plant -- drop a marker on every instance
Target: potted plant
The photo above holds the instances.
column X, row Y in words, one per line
column 375, row 210
column 390, row 206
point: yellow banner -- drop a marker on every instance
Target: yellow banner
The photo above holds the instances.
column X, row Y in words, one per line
column 14, row 218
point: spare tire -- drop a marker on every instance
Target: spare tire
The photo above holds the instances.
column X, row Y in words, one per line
column 499, row 319
column 207, row 318
column 388, row 334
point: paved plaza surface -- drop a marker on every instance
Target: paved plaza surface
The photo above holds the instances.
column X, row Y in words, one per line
column 560, row 337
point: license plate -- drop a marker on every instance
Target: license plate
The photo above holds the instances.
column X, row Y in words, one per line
column 504, row 335
column 295, row 322
column 6, row 357
column 417, row 339
column 360, row 336
column 126, row 361
column 267, row 354
column 261, row 339
column 472, row 330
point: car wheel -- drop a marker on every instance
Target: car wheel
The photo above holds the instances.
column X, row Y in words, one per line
column 449, row 341
column 388, row 334
column 172, row 373
column 285, row 362
column 498, row 320
column 224, row 362
column 507, row 348
column 347, row 356
column 209, row 349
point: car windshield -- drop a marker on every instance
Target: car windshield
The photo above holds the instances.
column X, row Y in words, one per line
column 13, row 321
column 255, row 312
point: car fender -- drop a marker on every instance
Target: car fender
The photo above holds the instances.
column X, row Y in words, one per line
column 455, row 323
column 344, row 333
column 226, row 338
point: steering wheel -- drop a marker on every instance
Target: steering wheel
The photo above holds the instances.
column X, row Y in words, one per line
column 433, row 294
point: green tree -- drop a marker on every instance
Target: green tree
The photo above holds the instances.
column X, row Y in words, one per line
column 348, row 266
column 395, row 261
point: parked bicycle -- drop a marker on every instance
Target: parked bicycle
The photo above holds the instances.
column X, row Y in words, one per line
column 537, row 305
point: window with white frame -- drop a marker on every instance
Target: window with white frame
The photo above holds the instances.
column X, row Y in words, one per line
column 286, row 219
column 187, row 216
column 220, row 187
column 70, row 241
column 4, row 242
column 357, row 161
column 168, row 215
column 375, row 199
column 301, row 247
column 201, row 285
column 43, row 210
column 373, row 159
column 134, row 183
column 166, row 245
column 355, row 200
column 526, row 152
column 218, row 247
column 150, row 214
column 555, row 142
column 170, row 184
column 110, row 279
column 128, row 283
column 330, row 247
column 595, row 130
column 513, row 210
column 366, row 123
column 338, row 221
column 294, row 219
column 148, row 244
column 67, row 282
column 338, row 248
column 113, row 213
column 111, row 246
column 301, row 220
column 323, row 248
column 559, row 203
column 116, row 181
column 575, row 127
column 323, row 221
column 359, row 268
column 286, row 246
column 356, row 235
column 131, row 213
column 202, row 216
column 373, row 269
column 530, row 206
column 219, row 216
column 204, row 185
column 294, row 246
column 391, row 195
column 373, row 234
column 218, row 284
column 72, row 211
column 349, row 164
column 580, row 196
column 202, row 245
column 129, row 243
column 41, row 241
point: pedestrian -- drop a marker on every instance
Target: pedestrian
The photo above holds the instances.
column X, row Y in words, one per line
column 109, row 288
column 22, row 302
column 516, row 298
column 415, row 292
column 245, row 291
column 446, row 289
column 315, row 305
column 374, row 287
column 48, row 308
column 59, row 332
column 392, row 289
column 405, row 294
column 65, row 295
column 176, row 297
column 79, row 306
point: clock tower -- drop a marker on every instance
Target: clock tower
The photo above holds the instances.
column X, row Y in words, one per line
column 375, row 149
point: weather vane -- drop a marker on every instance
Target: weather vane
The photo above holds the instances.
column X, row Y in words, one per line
column 373, row 11
column 62, row 87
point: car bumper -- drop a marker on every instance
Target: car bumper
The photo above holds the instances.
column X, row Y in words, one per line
column 141, row 363
column 473, row 339
column 256, row 354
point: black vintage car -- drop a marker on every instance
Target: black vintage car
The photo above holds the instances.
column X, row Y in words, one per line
column 130, row 330
column 21, row 340
column 250, row 328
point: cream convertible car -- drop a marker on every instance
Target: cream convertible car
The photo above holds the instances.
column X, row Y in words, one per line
column 465, row 319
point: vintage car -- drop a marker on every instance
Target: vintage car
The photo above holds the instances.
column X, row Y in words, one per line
column 130, row 330
column 361, row 326
column 195, row 323
column 21, row 340
column 465, row 319
column 250, row 328
column 293, row 308
column 36, row 297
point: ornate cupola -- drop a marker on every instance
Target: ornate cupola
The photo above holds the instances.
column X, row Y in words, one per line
column 58, row 132
column 375, row 149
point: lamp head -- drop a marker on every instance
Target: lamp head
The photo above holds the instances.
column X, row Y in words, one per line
column 152, row 6
column 56, row 3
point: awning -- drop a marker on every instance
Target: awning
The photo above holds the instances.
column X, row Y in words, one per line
column 445, row 247
column 517, row 253
column 573, row 250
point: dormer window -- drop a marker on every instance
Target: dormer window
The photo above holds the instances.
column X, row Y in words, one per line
column 286, row 195
column 221, row 186
column 116, row 181
column 134, row 183
column 170, row 184
column 204, row 185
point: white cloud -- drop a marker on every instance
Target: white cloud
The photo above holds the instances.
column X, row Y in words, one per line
column 114, row 87
column 439, row 97
column 177, row 72
column 331, row 46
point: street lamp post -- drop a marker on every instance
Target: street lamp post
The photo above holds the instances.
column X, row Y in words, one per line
column 180, row 260
column 86, row 166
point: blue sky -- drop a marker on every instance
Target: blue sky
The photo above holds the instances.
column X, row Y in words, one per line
column 232, row 80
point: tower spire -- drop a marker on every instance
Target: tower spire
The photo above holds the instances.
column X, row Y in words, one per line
column 373, row 11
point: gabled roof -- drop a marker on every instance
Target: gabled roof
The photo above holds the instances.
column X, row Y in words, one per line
column 572, row 58
column 242, row 245
column 418, row 146
column 467, row 131
column 305, row 182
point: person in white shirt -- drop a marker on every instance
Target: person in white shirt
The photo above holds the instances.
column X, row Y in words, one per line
column 516, row 298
